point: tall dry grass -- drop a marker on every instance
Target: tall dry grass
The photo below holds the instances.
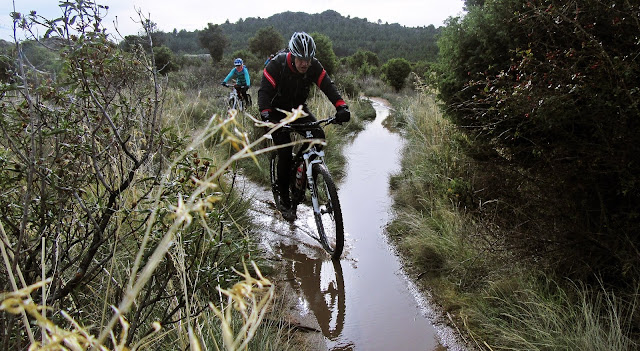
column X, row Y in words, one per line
column 498, row 301
column 112, row 140
column 251, row 297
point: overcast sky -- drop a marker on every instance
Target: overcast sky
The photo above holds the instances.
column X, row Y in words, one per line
column 195, row 14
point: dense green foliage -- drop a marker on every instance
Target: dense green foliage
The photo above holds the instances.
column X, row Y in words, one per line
column 325, row 53
column 466, row 259
column 548, row 93
column 266, row 41
column 359, row 44
column 214, row 40
column 347, row 34
column 396, row 72
column 361, row 58
column 164, row 60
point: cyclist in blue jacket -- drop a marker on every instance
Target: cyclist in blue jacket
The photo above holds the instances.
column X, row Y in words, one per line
column 240, row 74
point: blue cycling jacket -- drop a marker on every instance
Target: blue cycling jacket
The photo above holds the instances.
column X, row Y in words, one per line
column 242, row 77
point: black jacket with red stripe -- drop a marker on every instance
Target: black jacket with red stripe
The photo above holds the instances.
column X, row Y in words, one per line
column 282, row 87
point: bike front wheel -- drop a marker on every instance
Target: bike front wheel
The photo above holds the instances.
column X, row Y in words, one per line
column 273, row 172
column 327, row 212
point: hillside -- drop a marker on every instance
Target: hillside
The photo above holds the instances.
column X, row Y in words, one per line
column 347, row 34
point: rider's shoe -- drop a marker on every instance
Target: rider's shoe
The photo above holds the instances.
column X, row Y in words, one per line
column 288, row 212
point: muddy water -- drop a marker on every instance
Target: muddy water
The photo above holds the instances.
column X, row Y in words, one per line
column 363, row 301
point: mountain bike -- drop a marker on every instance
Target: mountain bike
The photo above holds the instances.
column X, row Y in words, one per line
column 309, row 172
column 235, row 100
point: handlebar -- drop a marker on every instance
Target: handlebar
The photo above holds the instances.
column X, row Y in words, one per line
column 309, row 125
column 233, row 85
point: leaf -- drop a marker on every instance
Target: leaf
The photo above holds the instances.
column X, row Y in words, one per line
column 54, row 131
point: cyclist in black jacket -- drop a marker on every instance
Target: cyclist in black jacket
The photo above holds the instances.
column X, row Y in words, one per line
column 286, row 82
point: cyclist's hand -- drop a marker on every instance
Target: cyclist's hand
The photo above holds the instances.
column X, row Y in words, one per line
column 265, row 116
column 342, row 114
column 223, row 84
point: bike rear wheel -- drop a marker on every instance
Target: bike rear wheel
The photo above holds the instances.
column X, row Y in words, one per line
column 327, row 211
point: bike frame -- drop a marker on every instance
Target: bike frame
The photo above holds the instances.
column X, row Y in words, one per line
column 238, row 103
column 311, row 157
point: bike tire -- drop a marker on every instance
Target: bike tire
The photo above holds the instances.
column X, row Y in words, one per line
column 327, row 211
column 273, row 172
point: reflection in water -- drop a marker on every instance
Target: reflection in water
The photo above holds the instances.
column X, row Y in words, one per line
column 321, row 282
column 377, row 310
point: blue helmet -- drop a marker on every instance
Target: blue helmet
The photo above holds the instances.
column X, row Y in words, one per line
column 237, row 62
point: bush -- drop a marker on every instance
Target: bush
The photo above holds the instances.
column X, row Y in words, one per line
column 396, row 72
column 347, row 84
column 546, row 92
column 106, row 198
column 164, row 59
column 324, row 52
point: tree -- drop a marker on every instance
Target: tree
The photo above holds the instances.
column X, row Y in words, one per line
column 266, row 41
column 396, row 71
column 365, row 62
column 133, row 42
column 164, row 59
column 470, row 3
column 324, row 52
column 361, row 57
column 213, row 39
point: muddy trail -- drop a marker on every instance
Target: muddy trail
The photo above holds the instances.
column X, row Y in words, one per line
column 364, row 301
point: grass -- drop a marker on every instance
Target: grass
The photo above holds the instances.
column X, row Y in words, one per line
column 171, row 245
column 523, row 313
column 253, row 295
column 498, row 300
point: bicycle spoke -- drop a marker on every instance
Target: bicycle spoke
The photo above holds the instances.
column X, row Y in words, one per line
column 327, row 211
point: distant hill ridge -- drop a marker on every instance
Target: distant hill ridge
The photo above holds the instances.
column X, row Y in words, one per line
column 347, row 35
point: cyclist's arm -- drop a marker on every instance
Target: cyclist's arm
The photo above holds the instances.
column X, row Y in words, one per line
column 229, row 76
column 268, row 85
column 324, row 82
column 246, row 77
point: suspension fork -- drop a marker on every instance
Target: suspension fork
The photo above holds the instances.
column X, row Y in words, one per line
column 309, row 161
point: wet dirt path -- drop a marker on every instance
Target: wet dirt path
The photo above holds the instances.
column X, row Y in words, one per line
column 363, row 301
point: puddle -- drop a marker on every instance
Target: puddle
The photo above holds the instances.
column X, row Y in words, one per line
column 364, row 301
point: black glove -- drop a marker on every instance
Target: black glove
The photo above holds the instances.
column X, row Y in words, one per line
column 342, row 114
column 223, row 84
column 265, row 116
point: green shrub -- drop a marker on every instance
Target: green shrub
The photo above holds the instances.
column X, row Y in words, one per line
column 396, row 72
column 545, row 92
column 107, row 197
column 164, row 59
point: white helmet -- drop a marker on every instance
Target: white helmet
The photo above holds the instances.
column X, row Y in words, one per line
column 302, row 45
